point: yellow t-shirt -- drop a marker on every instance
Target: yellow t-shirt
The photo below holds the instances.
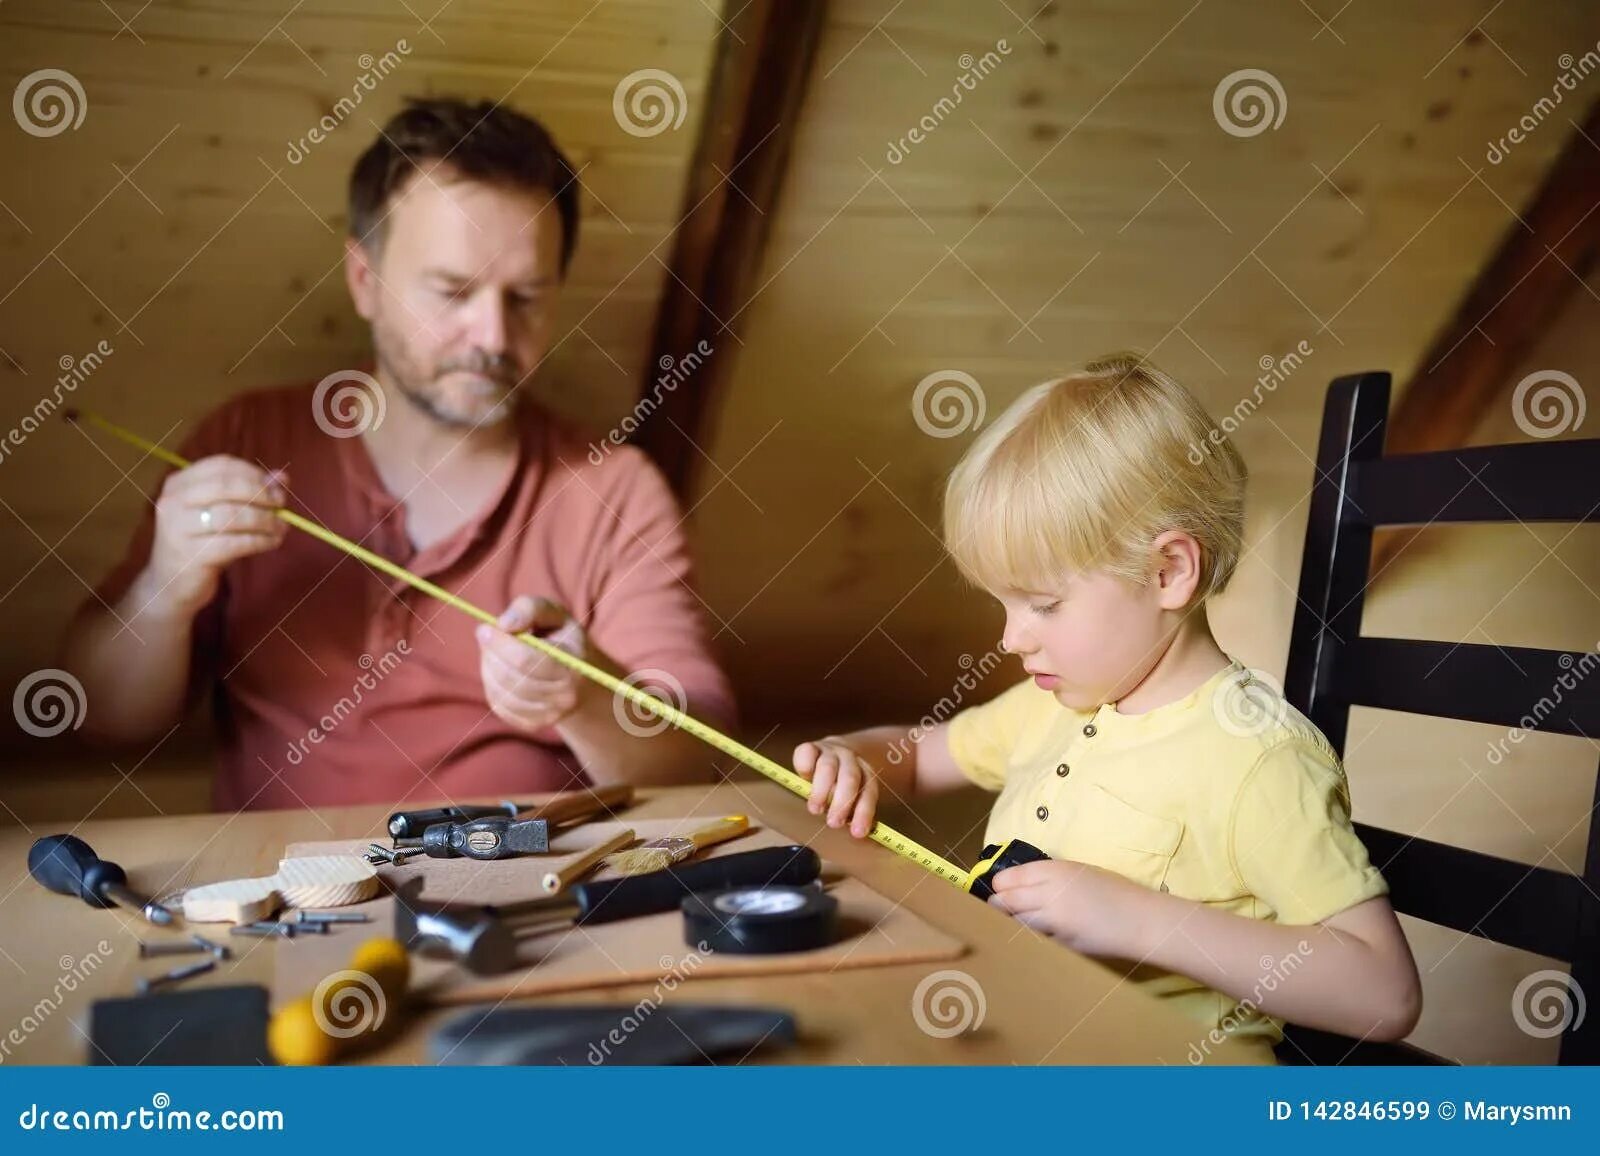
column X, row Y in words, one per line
column 1229, row 797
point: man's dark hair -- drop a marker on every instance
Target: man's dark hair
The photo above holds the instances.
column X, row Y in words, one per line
column 482, row 141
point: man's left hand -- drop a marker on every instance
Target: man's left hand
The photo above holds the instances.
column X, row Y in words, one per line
column 525, row 688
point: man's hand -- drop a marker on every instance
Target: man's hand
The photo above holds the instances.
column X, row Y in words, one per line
column 214, row 512
column 1090, row 910
column 525, row 688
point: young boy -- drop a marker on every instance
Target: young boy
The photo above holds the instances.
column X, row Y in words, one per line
column 1198, row 827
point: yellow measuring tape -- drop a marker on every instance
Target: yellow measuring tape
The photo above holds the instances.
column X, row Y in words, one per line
column 881, row 833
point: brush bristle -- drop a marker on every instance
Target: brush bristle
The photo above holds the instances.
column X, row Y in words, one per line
column 641, row 860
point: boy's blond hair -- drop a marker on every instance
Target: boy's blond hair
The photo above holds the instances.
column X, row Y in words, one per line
column 1084, row 472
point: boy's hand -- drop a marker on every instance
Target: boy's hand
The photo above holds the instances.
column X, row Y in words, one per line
column 1090, row 910
column 842, row 782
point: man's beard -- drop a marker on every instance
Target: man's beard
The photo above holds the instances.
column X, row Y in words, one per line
column 419, row 386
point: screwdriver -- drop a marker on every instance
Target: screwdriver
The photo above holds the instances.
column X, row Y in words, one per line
column 67, row 865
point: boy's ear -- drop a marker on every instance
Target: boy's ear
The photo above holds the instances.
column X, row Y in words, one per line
column 1177, row 577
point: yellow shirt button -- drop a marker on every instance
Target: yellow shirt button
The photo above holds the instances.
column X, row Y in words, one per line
column 1062, row 770
column 1088, row 730
column 1043, row 813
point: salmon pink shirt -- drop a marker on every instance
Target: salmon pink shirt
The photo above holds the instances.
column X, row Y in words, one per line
column 335, row 684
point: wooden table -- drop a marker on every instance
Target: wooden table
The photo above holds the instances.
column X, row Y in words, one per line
column 1045, row 1004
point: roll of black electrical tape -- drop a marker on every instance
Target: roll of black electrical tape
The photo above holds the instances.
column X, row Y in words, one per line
column 760, row 920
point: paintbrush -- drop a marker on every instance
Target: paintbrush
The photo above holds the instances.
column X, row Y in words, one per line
column 669, row 849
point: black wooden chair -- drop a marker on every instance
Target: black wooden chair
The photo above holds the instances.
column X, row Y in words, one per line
column 1332, row 667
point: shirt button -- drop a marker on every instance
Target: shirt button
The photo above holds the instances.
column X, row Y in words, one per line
column 1043, row 813
column 1062, row 770
column 1089, row 730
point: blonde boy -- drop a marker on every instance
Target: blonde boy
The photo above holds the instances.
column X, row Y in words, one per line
column 1198, row 827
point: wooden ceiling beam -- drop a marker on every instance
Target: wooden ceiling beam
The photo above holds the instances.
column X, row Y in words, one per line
column 1511, row 304
column 762, row 60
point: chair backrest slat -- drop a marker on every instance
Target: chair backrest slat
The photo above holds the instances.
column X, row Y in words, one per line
column 1529, row 690
column 1557, row 481
column 1534, row 908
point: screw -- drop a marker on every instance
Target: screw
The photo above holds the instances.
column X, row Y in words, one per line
column 148, row 984
column 335, row 917
column 152, row 950
column 217, row 950
column 264, row 928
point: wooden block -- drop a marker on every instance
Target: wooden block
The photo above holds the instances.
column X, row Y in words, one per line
column 301, row 881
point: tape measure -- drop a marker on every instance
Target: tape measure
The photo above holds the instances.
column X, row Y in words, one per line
column 881, row 833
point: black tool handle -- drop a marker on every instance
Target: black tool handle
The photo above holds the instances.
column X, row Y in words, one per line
column 411, row 824
column 607, row 899
column 69, row 866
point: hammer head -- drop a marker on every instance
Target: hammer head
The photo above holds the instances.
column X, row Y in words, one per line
column 473, row 937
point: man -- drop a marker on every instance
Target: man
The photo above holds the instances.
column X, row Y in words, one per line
column 335, row 684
